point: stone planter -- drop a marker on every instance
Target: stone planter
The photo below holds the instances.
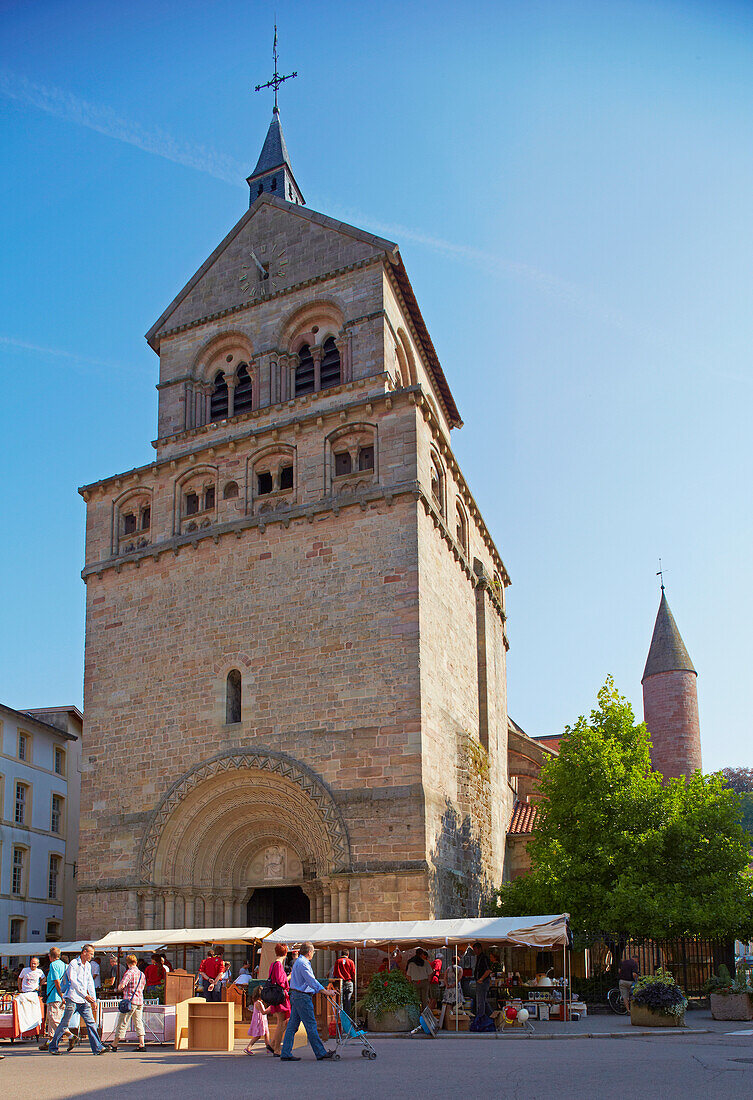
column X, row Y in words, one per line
column 731, row 1006
column 641, row 1016
column 400, row 1019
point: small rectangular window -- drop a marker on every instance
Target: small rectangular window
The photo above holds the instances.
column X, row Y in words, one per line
column 264, row 483
column 286, row 477
column 192, row 504
column 53, row 931
column 146, row 518
column 129, row 524
column 20, row 814
column 52, row 885
column 59, row 761
column 342, row 464
column 366, row 458
column 209, row 498
column 17, row 875
column 16, row 929
column 23, row 747
column 56, row 816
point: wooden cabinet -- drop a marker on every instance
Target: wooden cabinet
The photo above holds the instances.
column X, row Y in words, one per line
column 178, row 986
column 211, row 1025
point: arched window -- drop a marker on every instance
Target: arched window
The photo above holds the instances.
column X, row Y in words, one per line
column 243, row 391
column 461, row 529
column 330, row 372
column 218, row 400
column 437, row 484
column 304, row 372
column 230, row 492
column 233, row 697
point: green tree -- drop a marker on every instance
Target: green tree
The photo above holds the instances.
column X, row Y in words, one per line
column 620, row 850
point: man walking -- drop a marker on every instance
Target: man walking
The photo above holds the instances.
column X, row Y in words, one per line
column 80, row 998
column 627, row 974
column 55, row 1004
column 345, row 970
column 303, row 986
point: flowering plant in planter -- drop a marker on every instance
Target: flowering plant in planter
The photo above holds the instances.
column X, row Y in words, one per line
column 389, row 990
column 660, row 993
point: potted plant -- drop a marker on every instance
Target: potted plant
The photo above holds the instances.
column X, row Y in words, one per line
column 730, row 1000
column 658, row 1001
column 391, row 1002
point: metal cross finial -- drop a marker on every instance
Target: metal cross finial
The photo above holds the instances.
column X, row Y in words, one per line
column 276, row 80
column 660, row 574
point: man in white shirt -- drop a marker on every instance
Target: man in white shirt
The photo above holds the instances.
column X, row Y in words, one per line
column 30, row 977
column 80, row 997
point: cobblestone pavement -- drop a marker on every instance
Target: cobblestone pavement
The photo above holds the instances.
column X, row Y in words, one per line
column 699, row 1063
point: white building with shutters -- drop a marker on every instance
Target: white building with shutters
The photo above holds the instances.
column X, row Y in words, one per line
column 40, row 783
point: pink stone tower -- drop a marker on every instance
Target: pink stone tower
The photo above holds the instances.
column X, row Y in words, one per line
column 670, row 700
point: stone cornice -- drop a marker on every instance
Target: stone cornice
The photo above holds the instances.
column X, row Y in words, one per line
column 230, row 443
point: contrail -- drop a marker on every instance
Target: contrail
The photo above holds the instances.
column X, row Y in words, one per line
column 61, row 104
column 60, row 353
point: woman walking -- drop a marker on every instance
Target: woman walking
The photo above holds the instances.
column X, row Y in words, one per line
column 131, row 989
column 280, row 1013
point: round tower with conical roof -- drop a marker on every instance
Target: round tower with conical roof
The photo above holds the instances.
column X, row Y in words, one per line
column 670, row 699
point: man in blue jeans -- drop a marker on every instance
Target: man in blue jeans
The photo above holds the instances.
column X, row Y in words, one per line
column 303, row 986
column 80, row 998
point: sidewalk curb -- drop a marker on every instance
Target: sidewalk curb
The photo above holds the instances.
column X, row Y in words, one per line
column 637, row 1034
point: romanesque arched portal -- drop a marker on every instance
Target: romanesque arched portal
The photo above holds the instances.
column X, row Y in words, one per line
column 237, row 822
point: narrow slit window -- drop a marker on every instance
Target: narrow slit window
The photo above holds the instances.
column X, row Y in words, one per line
column 209, row 498
column 146, row 518
column 233, row 697
column 286, row 477
column 192, row 504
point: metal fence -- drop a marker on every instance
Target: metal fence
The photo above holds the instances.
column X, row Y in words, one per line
column 690, row 959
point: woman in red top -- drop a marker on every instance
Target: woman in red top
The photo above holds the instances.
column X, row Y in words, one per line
column 155, row 972
column 279, row 1014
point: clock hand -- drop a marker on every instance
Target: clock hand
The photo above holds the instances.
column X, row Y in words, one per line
column 262, row 269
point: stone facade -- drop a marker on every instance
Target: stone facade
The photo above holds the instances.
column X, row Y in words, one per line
column 316, row 561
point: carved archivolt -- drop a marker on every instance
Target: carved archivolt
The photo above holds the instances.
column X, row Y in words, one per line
column 213, row 819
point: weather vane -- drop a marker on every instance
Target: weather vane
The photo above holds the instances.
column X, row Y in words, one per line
column 276, row 80
column 660, row 574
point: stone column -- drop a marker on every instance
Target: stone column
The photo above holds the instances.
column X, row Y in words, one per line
column 148, row 909
column 342, row 900
column 327, row 903
column 232, row 382
column 316, row 355
column 170, row 910
column 342, row 343
column 189, row 406
column 188, row 910
column 229, row 912
column 133, row 907
column 159, row 911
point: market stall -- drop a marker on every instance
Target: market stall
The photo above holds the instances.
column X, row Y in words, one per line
column 542, row 933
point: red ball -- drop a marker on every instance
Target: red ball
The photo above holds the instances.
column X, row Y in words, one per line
column 511, row 1013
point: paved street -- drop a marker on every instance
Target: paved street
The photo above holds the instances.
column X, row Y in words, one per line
column 695, row 1064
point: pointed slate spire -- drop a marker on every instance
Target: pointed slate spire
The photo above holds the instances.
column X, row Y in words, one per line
column 667, row 652
column 273, row 173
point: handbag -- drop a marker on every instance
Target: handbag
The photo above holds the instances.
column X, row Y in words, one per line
column 272, row 993
column 125, row 1004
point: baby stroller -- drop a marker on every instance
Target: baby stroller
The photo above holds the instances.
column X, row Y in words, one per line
column 347, row 1032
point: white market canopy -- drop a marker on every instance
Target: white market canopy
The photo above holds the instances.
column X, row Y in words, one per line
column 543, row 931
column 180, row 937
column 19, row 950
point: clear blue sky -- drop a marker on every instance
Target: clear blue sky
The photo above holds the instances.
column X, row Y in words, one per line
column 571, row 187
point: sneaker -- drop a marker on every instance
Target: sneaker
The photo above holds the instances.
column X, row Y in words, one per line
column 329, row 1054
column 72, row 1042
column 43, row 1046
column 289, row 1058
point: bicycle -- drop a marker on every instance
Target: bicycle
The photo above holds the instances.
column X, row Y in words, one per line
column 615, row 1001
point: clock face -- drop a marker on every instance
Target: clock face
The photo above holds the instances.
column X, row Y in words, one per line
column 263, row 271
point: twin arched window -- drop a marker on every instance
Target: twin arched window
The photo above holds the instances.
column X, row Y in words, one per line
column 243, row 391
column 330, row 373
column 218, row 400
column 461, row 530
column 243, row 394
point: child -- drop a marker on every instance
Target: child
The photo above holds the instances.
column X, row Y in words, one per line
column 259, row 1028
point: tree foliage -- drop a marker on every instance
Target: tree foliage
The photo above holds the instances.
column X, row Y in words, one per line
column 620, row 850
column 739, row 780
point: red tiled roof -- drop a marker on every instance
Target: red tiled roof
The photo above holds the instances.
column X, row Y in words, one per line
column 523, row 819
